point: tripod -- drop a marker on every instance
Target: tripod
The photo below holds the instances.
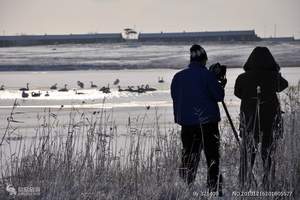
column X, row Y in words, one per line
column 231, row 123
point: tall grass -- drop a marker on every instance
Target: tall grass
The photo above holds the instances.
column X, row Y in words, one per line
column 90, row 159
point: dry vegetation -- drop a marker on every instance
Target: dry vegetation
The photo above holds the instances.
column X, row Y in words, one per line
column 85, row 160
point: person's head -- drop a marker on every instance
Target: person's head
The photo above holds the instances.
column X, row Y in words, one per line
column 198, row 54
column 261, row 59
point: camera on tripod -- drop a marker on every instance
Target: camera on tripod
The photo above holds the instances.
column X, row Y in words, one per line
column 220, row 72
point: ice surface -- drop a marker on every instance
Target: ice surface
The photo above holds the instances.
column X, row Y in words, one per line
column 120, row 56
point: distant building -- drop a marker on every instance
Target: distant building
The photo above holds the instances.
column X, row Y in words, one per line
column 28, row 40
column 199, row 36
column 130, row 34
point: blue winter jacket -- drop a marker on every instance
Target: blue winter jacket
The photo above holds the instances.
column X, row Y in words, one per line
column 196, row 92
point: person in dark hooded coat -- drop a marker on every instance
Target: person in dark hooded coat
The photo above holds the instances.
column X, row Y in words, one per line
column 261, row 70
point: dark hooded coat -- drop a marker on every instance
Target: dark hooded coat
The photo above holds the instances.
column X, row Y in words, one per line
column 260, row 70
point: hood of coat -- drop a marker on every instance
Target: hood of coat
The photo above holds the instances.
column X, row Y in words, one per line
column 261, row 59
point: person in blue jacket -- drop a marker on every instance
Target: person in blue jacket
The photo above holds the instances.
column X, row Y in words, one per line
column 196, row 92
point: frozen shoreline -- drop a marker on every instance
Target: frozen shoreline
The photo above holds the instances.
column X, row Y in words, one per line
column 117, row 57
column 31, row 68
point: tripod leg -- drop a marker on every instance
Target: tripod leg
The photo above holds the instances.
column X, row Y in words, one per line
column 243, row 171
column 231, row 123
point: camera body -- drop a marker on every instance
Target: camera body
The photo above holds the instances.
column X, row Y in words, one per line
column 220, row 72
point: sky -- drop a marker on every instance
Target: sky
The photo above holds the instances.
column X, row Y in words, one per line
column 90, row 16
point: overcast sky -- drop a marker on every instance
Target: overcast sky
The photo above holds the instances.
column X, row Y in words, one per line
column 83, row 16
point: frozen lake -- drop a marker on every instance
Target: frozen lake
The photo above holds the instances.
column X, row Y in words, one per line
column 122, row 104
